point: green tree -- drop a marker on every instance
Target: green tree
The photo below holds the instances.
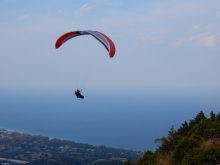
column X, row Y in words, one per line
column 218, row 116
column 183, row 130
column 202, row 156
column 147, row 159
column 197, row 119
column 212, row 116
column 182, row 148
column 168, row 143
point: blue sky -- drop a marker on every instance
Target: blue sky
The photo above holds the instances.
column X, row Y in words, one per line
column 168, row 44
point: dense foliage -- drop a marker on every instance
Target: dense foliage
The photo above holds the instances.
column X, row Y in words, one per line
column 196, row 142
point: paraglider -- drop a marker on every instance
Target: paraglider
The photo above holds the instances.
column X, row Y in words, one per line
column 102, row 38
column 78, row 94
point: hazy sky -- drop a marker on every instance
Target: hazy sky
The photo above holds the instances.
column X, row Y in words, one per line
column 171, row 44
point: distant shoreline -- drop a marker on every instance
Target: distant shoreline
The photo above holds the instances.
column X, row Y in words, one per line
column 50, row 138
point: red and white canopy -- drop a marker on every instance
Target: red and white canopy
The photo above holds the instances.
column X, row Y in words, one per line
column 105, row 40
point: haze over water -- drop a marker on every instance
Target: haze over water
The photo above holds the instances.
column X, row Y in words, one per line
column 120, row 119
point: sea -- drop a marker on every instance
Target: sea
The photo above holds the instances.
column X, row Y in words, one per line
column 125, row 119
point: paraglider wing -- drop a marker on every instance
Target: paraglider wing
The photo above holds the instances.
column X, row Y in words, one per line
column 105, row 40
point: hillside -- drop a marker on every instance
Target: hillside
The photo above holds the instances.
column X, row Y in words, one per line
column 20, row 148
column 196, row 142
